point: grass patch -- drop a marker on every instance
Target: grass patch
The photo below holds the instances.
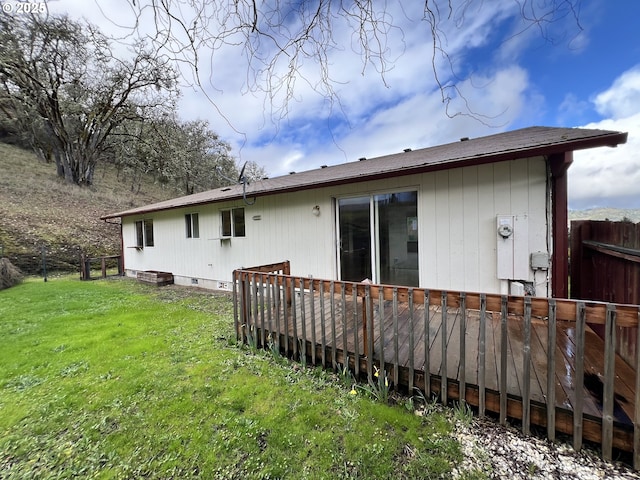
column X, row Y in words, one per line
column 113, row 379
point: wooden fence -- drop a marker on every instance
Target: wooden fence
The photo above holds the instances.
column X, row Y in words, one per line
column 515, row 346
column 104, row 261
column 605, row 266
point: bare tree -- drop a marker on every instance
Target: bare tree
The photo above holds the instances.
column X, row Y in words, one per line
column 62, row 78
column 185, row 155
column 280, row 39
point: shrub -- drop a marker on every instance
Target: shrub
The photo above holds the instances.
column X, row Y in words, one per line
column 9, row 275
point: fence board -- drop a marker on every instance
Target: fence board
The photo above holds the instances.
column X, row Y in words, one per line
column 609, row 375
column 579, row 376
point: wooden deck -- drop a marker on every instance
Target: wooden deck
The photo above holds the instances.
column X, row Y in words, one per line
column 477, row 355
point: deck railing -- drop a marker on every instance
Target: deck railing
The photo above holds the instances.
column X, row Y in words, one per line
column 334, row 323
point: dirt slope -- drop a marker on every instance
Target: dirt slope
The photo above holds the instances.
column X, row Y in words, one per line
column 39, row 210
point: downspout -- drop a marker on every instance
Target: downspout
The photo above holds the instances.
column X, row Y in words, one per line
column 558, row 165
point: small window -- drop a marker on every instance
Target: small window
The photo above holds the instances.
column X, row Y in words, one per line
column 226, row 223
column 233, row 222
column 238, row 222
column 144, row 233
column 139, row 234
column 192, row 225
column 148, row 233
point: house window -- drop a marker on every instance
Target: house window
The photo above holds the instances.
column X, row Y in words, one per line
column 192, row 225
column 233, row 222
column 139, row 234
column 144, row 233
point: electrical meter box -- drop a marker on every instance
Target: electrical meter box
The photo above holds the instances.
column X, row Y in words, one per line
column 512, row 247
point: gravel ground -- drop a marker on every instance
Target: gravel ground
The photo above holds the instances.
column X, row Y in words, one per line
column 504, row 452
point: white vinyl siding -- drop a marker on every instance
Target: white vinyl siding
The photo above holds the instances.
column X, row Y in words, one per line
column 457, row 211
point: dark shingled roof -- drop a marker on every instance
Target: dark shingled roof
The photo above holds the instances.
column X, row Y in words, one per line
column 527, row 142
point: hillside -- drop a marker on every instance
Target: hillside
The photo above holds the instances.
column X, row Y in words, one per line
column 612, row 214
column 37, row 209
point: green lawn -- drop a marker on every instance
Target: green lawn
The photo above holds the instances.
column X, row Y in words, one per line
column 113, row 379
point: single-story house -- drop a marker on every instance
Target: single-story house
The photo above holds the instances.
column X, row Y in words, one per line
column 487, row 214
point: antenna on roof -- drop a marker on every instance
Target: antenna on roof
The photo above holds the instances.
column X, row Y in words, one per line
column 242, row 179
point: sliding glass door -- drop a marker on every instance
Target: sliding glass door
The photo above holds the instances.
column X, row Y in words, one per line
column 355, row 238
column 379, row 238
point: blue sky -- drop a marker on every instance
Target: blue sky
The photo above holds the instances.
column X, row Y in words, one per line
column 568, row 78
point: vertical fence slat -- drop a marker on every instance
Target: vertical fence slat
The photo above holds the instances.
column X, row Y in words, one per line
column 395, row 338
column 463, row 346
column 504, row 312
column 277, row 304
column 482, row 347
column 286, row 307
column 370, row 329
column 323, row 328
column 343, row 307
column 609, row 377
column 263, row 335
column 526, row 367
column 303, row 322
column 237, row 304
column 253, row 328
column 443, row 367
column 578, row 394
column 356, row 328
column 247, row 307
column 427, row 345
column 636, row 421
column 312, row 305
column 269, row 306
column 294, row 315
column 381, row 314
column 411, row 342
column 551, row 371
column 332, row 309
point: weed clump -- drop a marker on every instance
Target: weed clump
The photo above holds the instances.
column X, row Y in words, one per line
column 9, row 275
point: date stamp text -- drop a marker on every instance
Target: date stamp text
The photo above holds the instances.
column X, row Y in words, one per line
column 19, row 8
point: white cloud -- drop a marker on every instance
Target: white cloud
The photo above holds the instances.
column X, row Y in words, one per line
column 606, row 177
column 622, row 99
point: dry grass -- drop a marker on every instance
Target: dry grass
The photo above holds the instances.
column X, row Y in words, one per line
column 9, row 275
column 37, row 210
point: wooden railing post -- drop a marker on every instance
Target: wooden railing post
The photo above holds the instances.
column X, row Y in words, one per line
column 381, row 315
column 368, row 331
column 412, row 348
column 609, row 377
column 356, row 329
column 463, row 330
column 482, row 356
column 578, row 392
column 427, row 345
column 526, row 367
column 445, row 334
column 504, row 315
column 636, row 420
column 551, row 371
